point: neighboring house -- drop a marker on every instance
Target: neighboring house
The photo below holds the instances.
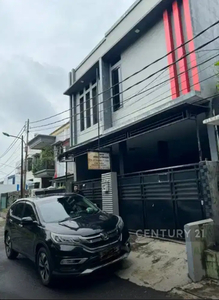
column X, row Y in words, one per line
column 148, row 116
column 44, row 164
column 31, row 180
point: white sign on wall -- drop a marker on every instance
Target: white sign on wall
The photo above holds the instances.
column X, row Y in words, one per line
column 98, row 161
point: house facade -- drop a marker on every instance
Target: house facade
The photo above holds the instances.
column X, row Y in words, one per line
column 44, row 169
column 141, row 97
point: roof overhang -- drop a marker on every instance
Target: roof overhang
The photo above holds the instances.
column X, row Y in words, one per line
column 212, row 121
column 40, row 141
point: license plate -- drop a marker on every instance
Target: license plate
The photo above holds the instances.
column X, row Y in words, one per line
column 109, row 253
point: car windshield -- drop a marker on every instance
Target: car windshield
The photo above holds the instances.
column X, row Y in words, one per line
column 59, row 209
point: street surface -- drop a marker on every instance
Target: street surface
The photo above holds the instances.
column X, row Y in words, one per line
column 18, row 279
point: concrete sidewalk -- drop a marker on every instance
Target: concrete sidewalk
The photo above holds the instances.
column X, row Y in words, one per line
column 162, row 265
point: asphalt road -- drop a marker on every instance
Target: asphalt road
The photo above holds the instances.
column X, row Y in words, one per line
column 18, row 279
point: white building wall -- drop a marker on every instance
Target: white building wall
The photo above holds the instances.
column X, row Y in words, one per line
column 143, row 98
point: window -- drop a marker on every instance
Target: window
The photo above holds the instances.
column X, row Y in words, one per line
column 59, row 209
column 95, row 105
column 116, row 88
column 88, row 103
column 17, row 210
column 82, row 113
column 88, row 118
column 29, row 212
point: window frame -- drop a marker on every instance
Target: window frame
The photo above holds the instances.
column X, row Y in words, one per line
column 82, row 94
column 34, row 210
column 116, row 66
column 14, row 205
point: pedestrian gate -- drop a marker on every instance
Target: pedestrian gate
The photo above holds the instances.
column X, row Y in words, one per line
column 161, row 200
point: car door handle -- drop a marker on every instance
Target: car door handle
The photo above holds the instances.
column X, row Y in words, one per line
column 20, row 225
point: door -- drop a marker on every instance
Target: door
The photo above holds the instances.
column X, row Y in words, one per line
column 29, row 231
column 16, row 213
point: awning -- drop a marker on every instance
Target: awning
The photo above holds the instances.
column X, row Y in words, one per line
column 212, row 121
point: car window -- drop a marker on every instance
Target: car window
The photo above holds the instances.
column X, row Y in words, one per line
column 17, row 210
column 62, row 208
column 29, row 212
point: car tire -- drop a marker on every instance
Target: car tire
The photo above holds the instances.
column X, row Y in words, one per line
column 44, row 267
column 10, row 253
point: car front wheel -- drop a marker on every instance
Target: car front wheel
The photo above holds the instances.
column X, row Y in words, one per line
column 11, row 254
column 44, row 267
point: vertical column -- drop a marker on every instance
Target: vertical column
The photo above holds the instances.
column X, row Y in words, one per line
column 191, row 46
column 212, row 143
column 105, row 98
column 184, row 76
column 122, row 157
column 171, row 57
column 110, row 201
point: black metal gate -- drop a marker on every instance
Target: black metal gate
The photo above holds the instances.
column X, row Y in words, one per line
column 162, row 200
column 92, row 190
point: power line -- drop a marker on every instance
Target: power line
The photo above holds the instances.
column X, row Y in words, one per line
column 141, row 81
column 13, row 143
column 151, row 103
column 147, row 66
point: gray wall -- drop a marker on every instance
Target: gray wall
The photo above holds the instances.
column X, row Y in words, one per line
column 205, row 13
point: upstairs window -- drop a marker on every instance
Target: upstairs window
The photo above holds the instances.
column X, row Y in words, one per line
column 116, row 87
column 95, row 105
column 88, row 116
column 88, row 103
column 82, row 113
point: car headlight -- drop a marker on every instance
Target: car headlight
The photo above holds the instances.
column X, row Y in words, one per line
column 120, row 224
column 65, row 239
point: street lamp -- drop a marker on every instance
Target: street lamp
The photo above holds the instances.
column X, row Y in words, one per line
column 22, row 159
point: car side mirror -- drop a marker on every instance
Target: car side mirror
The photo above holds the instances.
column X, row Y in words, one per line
column 26, row 221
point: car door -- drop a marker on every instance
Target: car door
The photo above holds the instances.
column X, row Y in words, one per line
column 16, row 213
column 29, row 231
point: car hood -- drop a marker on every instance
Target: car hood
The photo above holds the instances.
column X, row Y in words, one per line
column 85, row 225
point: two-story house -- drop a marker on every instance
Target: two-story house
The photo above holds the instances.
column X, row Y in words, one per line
column 140, row 97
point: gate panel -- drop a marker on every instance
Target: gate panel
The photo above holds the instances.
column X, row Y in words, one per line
column 161, row 199
column 131, row 203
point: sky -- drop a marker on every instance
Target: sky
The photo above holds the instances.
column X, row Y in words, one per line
column 41, row 41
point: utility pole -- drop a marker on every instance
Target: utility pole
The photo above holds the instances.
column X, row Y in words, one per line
column 26, row 154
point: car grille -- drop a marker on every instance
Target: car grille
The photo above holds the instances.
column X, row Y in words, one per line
column 101, row 240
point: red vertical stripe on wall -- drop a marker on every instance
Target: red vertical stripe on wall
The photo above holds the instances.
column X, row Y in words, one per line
column 191, row 46
column 171, row 57
column 184, row 77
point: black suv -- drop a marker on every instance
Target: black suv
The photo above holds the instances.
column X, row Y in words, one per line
column 64, row 235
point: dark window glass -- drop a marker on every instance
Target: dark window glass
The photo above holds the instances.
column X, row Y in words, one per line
column 87, row 87
column 63, row 208
column 94, row 104
column 82, row 113
column 17, row 210
column 81, row 92
column 29, row 212
column 93, row 82
column 36, row 185
column 116, row 89
column 88, row 118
